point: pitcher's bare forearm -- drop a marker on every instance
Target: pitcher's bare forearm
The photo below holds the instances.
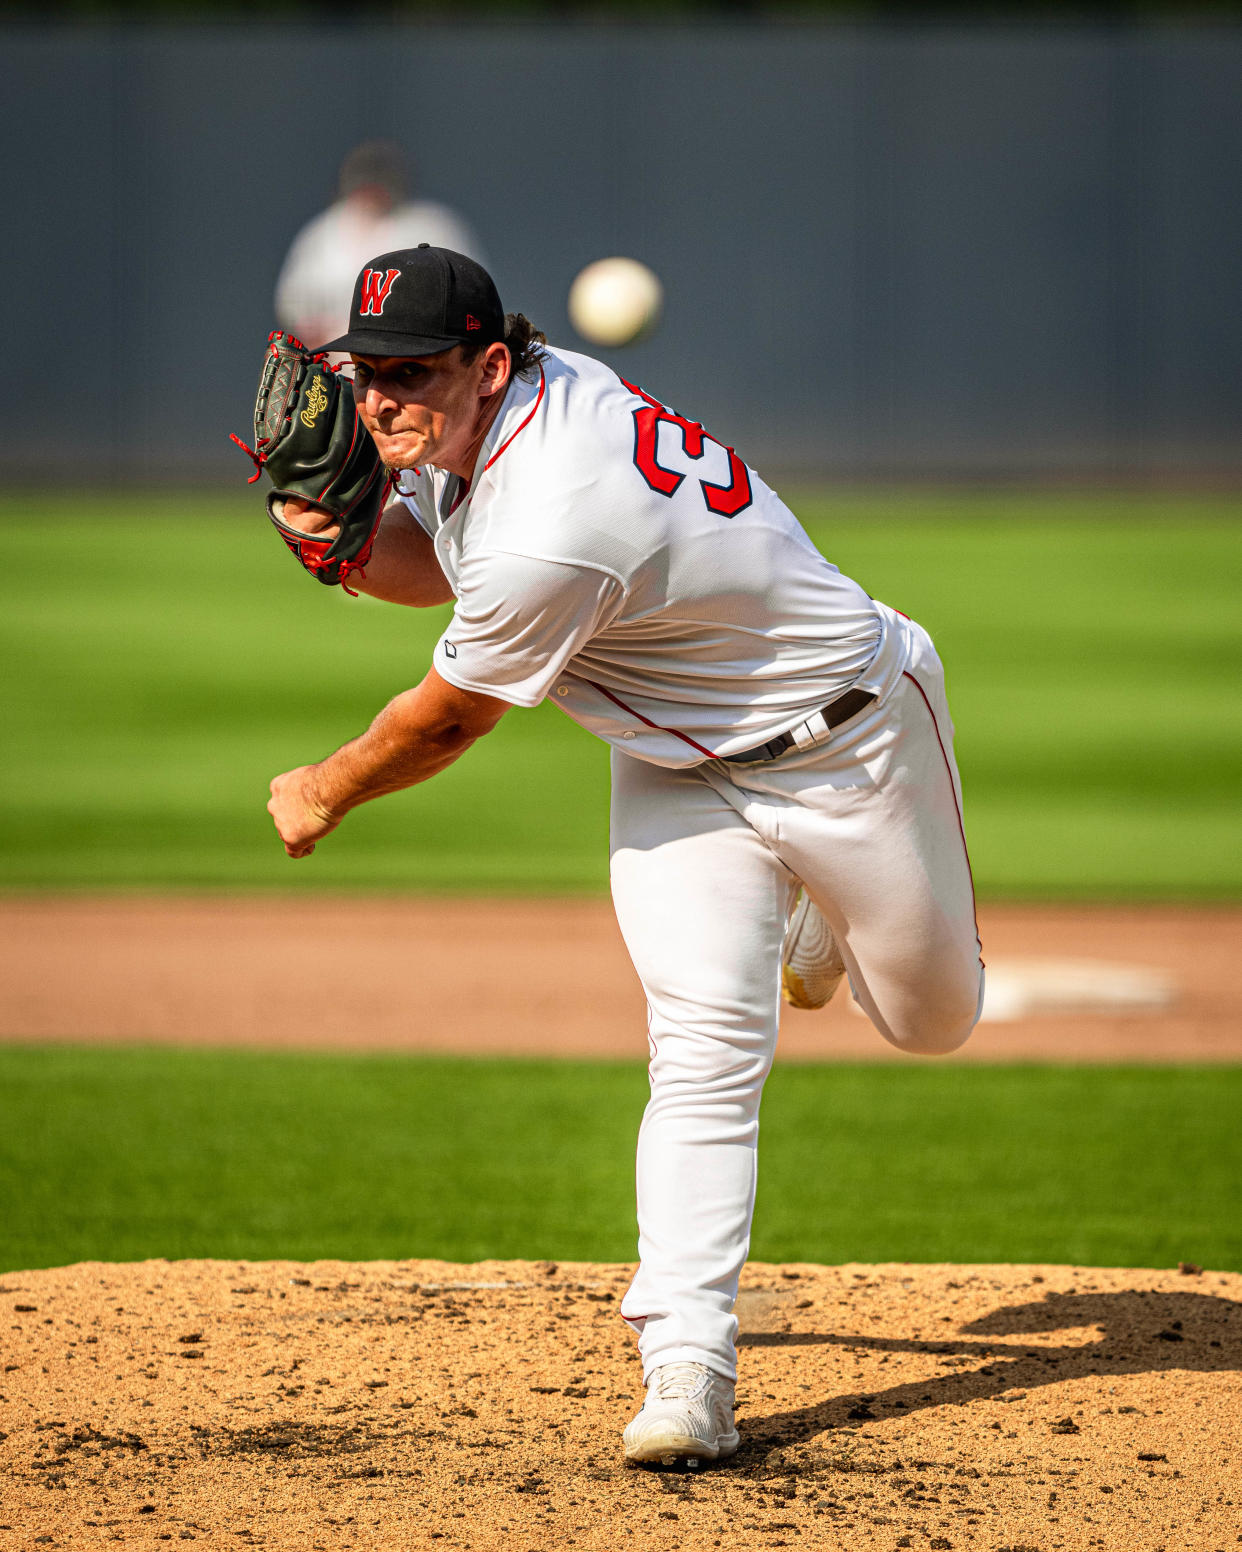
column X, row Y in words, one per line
column 418, row 734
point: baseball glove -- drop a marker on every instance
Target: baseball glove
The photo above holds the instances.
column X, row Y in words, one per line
column 310, row 442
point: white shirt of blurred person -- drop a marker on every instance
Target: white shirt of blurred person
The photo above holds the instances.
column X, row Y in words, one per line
column 370, row 216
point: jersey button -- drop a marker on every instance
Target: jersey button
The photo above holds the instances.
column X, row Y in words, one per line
column 629, row 733
column 562, row 689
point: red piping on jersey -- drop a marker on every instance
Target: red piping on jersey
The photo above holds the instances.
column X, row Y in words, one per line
column 961, row 828
column 685, row 738
column 522, row 427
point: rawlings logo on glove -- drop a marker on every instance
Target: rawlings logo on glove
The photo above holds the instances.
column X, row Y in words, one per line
column 310, row 443
column 316, row 403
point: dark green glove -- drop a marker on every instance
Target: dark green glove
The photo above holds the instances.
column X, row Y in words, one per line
column 310, row 442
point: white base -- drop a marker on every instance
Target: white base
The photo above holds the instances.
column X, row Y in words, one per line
column 1046, row 988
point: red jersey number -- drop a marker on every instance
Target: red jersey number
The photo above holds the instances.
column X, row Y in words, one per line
column 727, row 499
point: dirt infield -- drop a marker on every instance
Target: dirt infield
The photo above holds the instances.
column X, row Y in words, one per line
column 323, row 1407
column 528, row 977
column 422, row 1405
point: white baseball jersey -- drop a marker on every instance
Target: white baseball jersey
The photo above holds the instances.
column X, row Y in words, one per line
column 611, row 555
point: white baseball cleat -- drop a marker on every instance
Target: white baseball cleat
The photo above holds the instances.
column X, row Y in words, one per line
column 687, row 1416
column 811, row 963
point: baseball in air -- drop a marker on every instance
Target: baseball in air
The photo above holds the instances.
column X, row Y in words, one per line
column 615, row 302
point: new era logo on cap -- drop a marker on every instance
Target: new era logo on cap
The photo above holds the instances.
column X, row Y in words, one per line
column 419, row 302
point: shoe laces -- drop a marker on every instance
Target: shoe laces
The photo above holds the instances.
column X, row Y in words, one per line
column 677, row 1381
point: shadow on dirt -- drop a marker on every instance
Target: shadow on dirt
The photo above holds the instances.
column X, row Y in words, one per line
column 1143, row 1332
column 286, row 1439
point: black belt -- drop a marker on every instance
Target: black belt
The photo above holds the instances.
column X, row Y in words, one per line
column 834, row 714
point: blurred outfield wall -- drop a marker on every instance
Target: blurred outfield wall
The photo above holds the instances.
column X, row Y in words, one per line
column 887, row 252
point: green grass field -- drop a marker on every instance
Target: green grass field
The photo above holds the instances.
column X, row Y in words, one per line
column 164, row 659
column 1093, row 647
column 124, row 1154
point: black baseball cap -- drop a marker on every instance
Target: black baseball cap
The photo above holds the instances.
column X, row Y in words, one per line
column 419, row 302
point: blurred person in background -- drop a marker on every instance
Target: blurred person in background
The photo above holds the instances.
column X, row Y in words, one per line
column 370, row 215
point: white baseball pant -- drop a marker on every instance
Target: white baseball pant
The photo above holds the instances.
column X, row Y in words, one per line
column 706, row 863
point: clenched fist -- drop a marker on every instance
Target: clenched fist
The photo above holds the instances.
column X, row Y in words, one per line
column 299, row 818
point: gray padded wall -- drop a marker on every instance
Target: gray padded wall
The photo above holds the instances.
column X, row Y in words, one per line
column 907, row 253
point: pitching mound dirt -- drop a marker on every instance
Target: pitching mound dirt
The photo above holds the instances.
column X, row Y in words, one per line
column 419, row 1404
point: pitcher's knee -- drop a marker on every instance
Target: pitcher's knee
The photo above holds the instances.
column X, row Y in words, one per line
column 938, row 1022
column 939, row 1037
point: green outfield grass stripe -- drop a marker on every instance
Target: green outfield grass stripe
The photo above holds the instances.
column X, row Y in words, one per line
column 122, row 1154
column 164, row 659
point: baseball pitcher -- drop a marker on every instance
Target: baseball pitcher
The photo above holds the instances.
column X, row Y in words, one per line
column 785, row 801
